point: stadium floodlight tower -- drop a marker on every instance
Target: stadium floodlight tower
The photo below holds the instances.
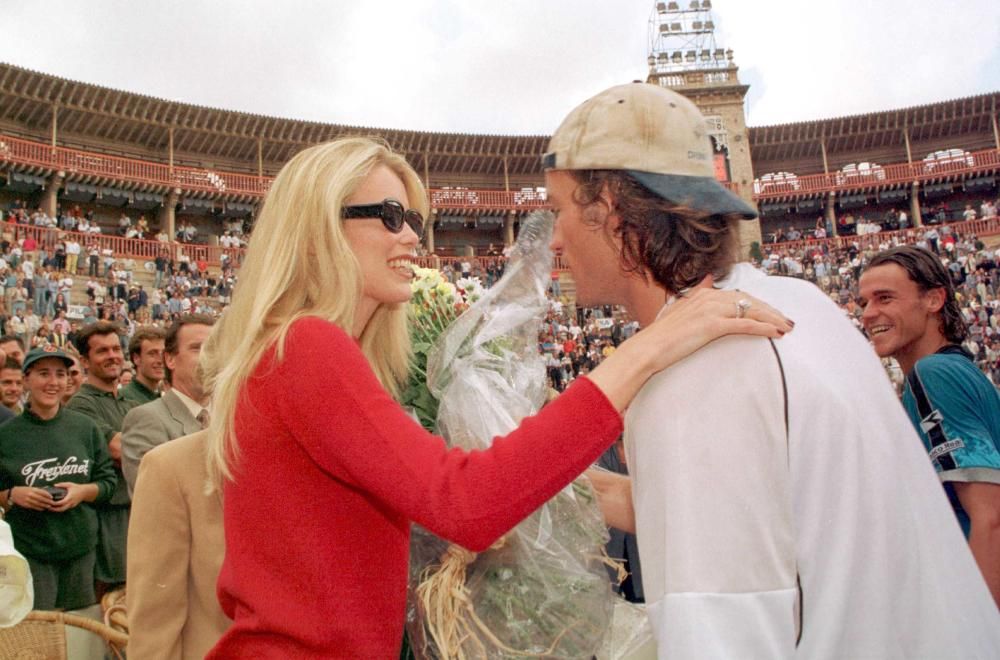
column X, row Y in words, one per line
column 684, row 56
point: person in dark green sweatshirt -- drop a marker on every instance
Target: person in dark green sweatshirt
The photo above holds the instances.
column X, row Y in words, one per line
column 53, row 464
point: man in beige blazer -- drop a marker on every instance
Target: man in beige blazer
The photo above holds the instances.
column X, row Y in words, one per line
column 176, row 547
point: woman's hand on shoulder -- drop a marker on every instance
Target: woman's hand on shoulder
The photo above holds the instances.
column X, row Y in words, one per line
column 703, row 315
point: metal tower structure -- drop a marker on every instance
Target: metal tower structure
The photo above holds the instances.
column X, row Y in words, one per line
column 684, row 56
column 682, row 38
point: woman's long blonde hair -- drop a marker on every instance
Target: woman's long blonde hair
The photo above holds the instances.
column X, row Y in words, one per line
column 299, row 264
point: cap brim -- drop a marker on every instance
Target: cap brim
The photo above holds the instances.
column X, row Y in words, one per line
column 68, row 361
column 695, row 192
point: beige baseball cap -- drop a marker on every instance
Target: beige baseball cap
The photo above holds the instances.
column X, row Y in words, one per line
column 655, row 135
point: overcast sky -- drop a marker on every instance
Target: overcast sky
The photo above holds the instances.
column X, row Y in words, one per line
column 507, row 66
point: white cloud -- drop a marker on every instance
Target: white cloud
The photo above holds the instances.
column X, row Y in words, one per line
column 838, row 58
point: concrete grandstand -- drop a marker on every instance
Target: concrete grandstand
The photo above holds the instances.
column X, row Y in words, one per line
column 70, row 144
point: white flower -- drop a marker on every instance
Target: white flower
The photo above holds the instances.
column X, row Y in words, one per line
column 471, row 286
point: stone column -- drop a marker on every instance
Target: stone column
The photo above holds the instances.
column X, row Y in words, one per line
column 50, row 198
column 917, row 220
column 508, row 229
column 166, row 216
column 429, row 233
column 831, row 212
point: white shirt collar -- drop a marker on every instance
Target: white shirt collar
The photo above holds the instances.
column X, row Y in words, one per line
column 739, row 276
column 193, row 406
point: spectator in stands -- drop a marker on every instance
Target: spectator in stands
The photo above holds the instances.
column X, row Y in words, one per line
column 93, row 259
column 12, row 346
column 145, row 350
column 59, row 258
column 156, row 302
column 108, row 257
column 100, row 352
column 16, row 326
column 911, row 314
column 792, row 494
column 124, row 223
column 51, row 461
column 74, row 374
column 43, row 337
column 940, row 214
column 182, row 409
column 932, row 236
column 64, row 288
column 969, row 213
column 60, row 324
column 28, row 246
column 161, row 263
column 128, row 268
column 11, row 386
column 72, row 255
column 72, row 219
column 51, row 291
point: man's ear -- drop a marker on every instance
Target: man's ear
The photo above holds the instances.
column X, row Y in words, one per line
column 606, row 201
column 934, row 299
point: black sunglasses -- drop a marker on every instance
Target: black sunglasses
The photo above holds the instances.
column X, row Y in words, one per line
column 392, row 214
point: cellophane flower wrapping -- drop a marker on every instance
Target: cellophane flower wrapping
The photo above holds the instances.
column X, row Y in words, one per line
column 544, row 589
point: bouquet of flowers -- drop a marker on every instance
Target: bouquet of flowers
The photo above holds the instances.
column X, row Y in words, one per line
column 542, row 590
column 434, row 305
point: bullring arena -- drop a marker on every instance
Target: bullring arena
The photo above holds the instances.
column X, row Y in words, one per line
column 67, row 146
column 138, row 210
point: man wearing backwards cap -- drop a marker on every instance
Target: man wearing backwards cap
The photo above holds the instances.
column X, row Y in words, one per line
column 783, row 504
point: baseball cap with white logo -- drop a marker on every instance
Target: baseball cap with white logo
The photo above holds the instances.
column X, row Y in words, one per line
column 653, row 134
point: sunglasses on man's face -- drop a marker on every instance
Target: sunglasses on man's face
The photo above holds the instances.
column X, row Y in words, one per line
column 392, row 214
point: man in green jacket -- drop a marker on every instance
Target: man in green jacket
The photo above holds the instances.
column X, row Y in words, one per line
column 101, row 353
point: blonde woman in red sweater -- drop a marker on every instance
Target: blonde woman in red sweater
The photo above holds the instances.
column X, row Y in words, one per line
column 320, row 469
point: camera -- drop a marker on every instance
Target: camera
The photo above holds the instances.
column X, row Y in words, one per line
column 56, row 492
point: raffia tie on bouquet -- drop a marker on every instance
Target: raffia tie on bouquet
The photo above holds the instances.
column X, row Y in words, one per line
column 450, row 614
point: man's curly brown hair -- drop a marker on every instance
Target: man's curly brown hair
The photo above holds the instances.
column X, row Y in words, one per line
column 675, row 245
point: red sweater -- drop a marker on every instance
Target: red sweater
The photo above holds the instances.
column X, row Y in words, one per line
column 332, row 471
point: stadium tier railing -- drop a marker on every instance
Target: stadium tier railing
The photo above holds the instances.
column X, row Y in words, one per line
column 981, row 227
column 194, row 180
column 197, row 180
column 122, row 248
column 883, row 176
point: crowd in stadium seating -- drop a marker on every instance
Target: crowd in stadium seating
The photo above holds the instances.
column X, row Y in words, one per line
column 894, row 219
column 74, row 219
column 37, row 287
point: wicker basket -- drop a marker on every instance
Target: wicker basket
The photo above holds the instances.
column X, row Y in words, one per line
column 41, row 636
column 115, row 614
